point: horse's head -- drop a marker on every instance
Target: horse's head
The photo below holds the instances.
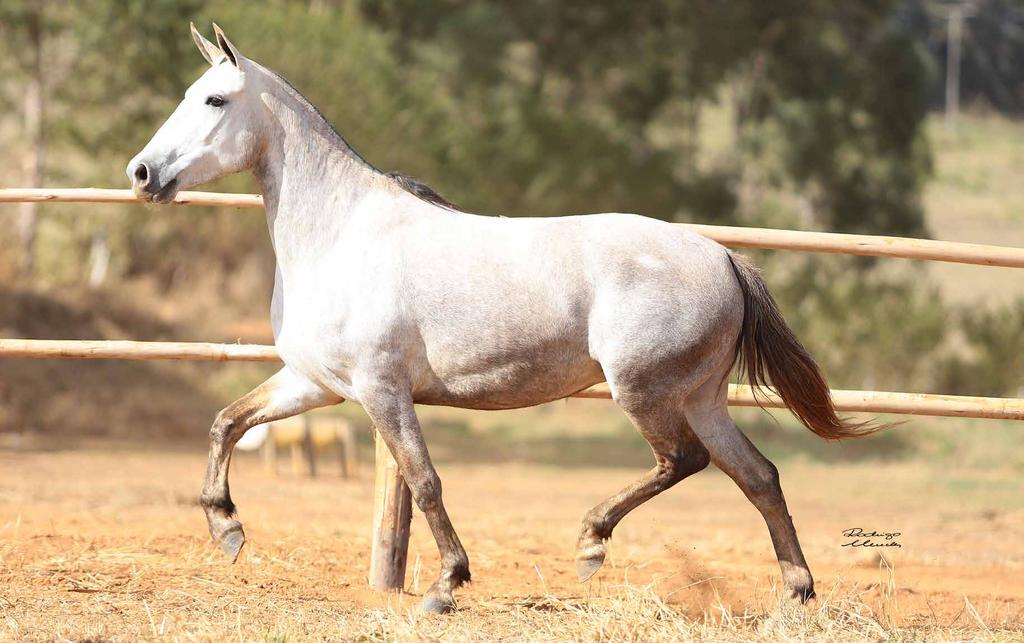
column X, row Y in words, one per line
column 215, row 130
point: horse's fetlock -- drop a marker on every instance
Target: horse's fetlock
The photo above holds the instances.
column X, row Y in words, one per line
column 597, row 527
column 219, row 501
column 458, row 571
column 801, row 587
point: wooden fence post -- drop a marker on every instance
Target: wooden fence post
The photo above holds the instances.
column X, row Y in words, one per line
column 347, row 456
column 308, row 446
column 269, row 450
column 392, row 513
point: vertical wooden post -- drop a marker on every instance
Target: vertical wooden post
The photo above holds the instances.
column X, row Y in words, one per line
column 297, row 465
column 270, row 451
column 347, row 455
column 391, row 516
column 307, row 445
column 35, row 131
column 954, row 38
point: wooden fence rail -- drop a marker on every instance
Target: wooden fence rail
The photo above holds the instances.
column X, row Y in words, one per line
column 827, row 242
column 109, row 195
column 739, row 395
column 123, row 349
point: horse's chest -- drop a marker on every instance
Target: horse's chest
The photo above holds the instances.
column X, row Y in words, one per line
column 322, row 335
column 328, row 334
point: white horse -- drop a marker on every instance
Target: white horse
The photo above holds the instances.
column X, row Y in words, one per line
column 387, row 295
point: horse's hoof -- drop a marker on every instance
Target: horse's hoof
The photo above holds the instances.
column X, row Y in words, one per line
column 435, row 603
column 799, row 584
column 802, row 594
column 589, row 561
column 231, row 542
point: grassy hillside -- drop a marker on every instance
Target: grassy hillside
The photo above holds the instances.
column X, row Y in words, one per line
column 977, row 195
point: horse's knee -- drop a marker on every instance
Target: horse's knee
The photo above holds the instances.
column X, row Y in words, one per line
column 228, row 427
column 222, row 427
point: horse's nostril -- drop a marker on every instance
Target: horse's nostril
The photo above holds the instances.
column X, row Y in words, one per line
column 142, row 173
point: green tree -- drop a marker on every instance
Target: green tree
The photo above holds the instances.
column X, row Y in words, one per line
column 841, row 89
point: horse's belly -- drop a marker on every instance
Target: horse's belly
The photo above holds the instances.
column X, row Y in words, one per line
column 504, row 380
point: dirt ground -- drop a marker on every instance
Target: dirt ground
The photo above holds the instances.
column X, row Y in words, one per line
column 110, row 544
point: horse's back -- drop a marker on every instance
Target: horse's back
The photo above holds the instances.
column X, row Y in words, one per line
column 542, row 304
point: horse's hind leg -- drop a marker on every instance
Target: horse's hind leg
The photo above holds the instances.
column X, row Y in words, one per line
column 283, row 395
column 757, row 477
column 677, row 454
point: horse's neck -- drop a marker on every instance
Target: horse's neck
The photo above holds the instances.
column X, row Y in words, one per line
column 310, row 179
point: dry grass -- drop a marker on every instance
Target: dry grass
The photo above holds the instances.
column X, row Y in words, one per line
column 109, row 545
column 631, row 613
column 214, row 610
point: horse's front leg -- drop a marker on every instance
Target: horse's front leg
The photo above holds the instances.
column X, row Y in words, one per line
column 391, row 409
column 283, row 395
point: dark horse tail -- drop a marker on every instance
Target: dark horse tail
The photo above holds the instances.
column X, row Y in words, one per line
column 772, row 357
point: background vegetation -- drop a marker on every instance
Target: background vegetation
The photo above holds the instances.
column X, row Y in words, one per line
column 810, row 114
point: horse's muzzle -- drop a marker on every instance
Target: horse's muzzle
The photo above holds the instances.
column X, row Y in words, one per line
column 146, row 184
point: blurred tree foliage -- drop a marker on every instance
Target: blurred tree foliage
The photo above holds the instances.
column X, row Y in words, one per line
column 993, row 47
column 993, row 363
column 790, row 113
column 830, row 89
column 539, row 107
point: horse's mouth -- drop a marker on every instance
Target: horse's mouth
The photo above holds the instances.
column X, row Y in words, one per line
column 167, row 193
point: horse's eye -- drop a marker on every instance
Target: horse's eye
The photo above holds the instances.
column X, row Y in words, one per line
column 215, row 101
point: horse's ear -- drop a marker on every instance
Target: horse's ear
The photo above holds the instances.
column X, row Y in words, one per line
column 225, row 46
column 209, row 50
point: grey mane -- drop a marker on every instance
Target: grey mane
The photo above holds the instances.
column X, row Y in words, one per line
column 414, row 187
column 420, row 190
